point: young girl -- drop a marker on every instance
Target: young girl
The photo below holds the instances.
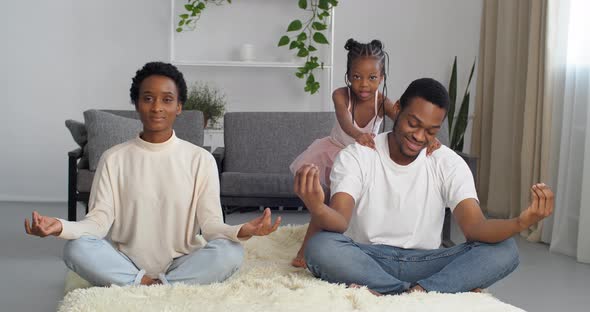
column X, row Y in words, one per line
column 359, row 110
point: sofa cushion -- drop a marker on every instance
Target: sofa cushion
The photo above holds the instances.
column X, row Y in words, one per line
column 78, row 131
column 84, row 180
column 106, row 130
column 267, row 142
column 257, row 184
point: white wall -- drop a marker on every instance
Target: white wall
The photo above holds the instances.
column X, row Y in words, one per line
column 59, row 58
column 62, row 57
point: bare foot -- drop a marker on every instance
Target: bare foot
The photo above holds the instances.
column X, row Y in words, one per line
column 369, row 289
column 299, row 260
column 416, row 288
column 477, row 290
column 148, row 281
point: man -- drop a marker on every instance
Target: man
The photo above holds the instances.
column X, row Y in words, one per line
column 386, row 212
column 154, row 194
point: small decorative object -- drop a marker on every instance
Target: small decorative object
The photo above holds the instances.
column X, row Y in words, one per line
column 457, row 133
column 247, row 52
column 207, row 99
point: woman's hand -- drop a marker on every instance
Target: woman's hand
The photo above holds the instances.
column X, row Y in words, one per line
column 260, row 226
column 366, row 139
column 43, row 226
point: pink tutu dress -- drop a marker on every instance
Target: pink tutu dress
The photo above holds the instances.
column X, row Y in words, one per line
column 322, row 152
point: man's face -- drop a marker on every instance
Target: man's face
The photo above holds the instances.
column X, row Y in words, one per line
column 158, row 104
column 416, row 126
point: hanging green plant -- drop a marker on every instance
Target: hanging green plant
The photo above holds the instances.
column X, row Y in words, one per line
column 194, row 8
column 302, row 36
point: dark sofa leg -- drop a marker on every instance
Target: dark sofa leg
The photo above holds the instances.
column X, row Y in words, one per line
column 446, row 233
column 72, row 188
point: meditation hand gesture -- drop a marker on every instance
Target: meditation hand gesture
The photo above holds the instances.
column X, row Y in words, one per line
column 541, row 206
column 308, row 187
column 42, row 226
column 260, row 226
column 366, row 139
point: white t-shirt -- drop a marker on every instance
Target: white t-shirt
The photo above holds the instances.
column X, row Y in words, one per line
column 402, row 206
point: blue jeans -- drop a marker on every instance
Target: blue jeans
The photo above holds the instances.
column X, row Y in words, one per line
column 98, row 262
column 336, row 258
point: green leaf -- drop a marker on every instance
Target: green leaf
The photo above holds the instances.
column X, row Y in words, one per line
column 320, row 38
column 303, row 52
column 453, row 96
column 181, row 23
column 302, row 36
column 311, row 48
column 183, row 16
column 295, row 25
column 293, row 45
column 333, row 2
column 318, row 26
column 299, row 75
column 283, row 41
column 461, row 123
column 325, row 14
column 310, row 79
column 178, row 29
column 303, row 4
column 188, row 7
column 201, row 6
column 323, row 4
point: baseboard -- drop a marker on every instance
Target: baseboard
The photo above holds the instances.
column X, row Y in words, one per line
column 30, row 199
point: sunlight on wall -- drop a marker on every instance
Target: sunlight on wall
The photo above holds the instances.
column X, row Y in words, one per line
column 578, row 37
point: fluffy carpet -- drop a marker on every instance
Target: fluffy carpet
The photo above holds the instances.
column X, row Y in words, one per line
column 266, row 282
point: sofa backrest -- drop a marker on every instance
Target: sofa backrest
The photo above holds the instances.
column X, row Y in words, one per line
column 267, row 142
column 443, row 133
column 188, row 125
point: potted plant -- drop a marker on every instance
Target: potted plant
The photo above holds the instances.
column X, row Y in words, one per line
column 207, row 99
column 458, row 122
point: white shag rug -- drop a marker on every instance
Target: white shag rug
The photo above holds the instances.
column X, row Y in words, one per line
column 266, row 282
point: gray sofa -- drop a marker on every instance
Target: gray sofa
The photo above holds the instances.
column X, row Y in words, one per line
column 103, row 129
column 259, row 147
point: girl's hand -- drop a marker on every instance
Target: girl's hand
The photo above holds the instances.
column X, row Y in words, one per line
column 43, row 226
column 366, row 139
column 433, row 146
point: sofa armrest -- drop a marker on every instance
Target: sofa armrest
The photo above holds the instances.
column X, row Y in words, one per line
column 219, row 154
column 76, row 154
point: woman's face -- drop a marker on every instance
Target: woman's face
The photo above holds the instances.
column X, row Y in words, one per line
column 158, row 104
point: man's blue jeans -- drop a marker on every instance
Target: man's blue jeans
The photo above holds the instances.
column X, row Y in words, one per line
column 98, row 262
column 336, row 258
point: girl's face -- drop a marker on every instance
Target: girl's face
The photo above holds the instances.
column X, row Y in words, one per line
column 365, row 77
column 158, row 104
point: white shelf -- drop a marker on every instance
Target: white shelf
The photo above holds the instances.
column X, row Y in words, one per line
column 242, row 64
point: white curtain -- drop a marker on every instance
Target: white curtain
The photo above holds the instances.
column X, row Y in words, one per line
column 568, row 85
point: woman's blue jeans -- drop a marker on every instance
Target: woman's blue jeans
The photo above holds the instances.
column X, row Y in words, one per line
column 98, row 262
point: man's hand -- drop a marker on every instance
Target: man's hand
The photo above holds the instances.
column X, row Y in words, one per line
column 260, row 226
column 366, row 139
column 541, row 206
column 433, row 146
column 308, row 187
column 43, row 226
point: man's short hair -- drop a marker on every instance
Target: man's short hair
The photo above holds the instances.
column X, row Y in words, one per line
column 428, row 89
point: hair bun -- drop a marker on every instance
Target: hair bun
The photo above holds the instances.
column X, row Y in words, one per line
column 350, row 43
column 377, row 43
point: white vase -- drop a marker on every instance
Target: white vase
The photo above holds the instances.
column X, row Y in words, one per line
column 247, row 53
